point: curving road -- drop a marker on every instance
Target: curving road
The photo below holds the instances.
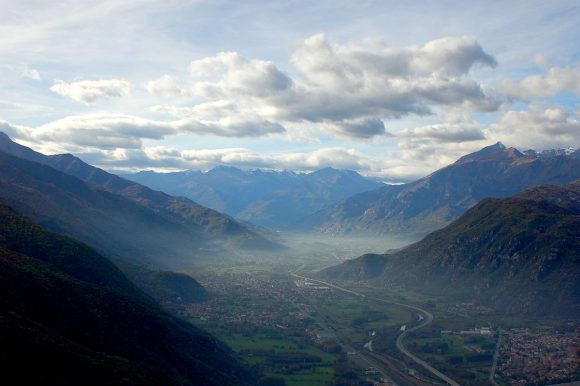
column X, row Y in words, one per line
column 427, row 319
column 400, row 339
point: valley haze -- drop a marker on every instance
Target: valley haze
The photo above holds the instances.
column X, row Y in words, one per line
column 290, row 193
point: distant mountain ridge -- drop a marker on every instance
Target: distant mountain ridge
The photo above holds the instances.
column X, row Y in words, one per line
column 267, row 198
column 518, row 254
column 551, row 152
column 417, row 208
column 200, row 219
column 114, row 225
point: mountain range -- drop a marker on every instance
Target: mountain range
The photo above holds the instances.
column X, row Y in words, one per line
column 68, row 316
column 118, row 217
column 417, row 208
column 81, row 318
column 517, row 254
column 267, row 198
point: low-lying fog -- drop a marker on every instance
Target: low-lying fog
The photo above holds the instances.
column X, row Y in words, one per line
column 313, row 251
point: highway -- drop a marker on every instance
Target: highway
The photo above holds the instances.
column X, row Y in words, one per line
column 427, row 319
column 361, row 359
column 400, row 345
column 495, row 357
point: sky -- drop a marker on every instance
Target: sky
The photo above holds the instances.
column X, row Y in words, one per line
column 391, row 89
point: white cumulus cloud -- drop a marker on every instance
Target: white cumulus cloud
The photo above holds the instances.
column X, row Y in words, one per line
column 165, row 86
column 554, row 82
column 89, row 91
column 444, row 132
column 167, row 158
column 350, row 89
column 539, row 127
column 121, row 131
column 238, row 76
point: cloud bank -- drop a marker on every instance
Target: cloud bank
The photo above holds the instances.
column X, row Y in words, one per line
column 348, row 90
column 556, row 81
column 421, row 102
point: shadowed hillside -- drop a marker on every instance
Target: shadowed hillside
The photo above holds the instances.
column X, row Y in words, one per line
column 69, row 317
column 204, row 221
column 111, row 223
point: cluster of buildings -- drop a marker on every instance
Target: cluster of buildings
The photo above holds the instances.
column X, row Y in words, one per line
column 307, row 284
column 485, row 331
column 321, row 336
column 539, row 357
column 255, row 300
column 469, row 308
column 246, row 300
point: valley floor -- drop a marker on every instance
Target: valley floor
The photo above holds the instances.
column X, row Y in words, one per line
column 306, row 332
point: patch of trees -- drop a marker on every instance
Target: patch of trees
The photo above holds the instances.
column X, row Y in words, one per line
column 272, row 381
column 432, row 348
column 369, row 317
column 483, row 357
column 427, row 333
column 346, row 375
column 290, row 357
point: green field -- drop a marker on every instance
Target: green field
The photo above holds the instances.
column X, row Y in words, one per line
column 352, row 318
column 318, row 374
column 463, row 357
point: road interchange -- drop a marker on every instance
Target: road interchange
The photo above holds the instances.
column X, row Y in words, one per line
column 427, row 318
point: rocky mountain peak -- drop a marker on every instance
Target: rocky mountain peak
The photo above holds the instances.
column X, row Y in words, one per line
column 492, row 152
